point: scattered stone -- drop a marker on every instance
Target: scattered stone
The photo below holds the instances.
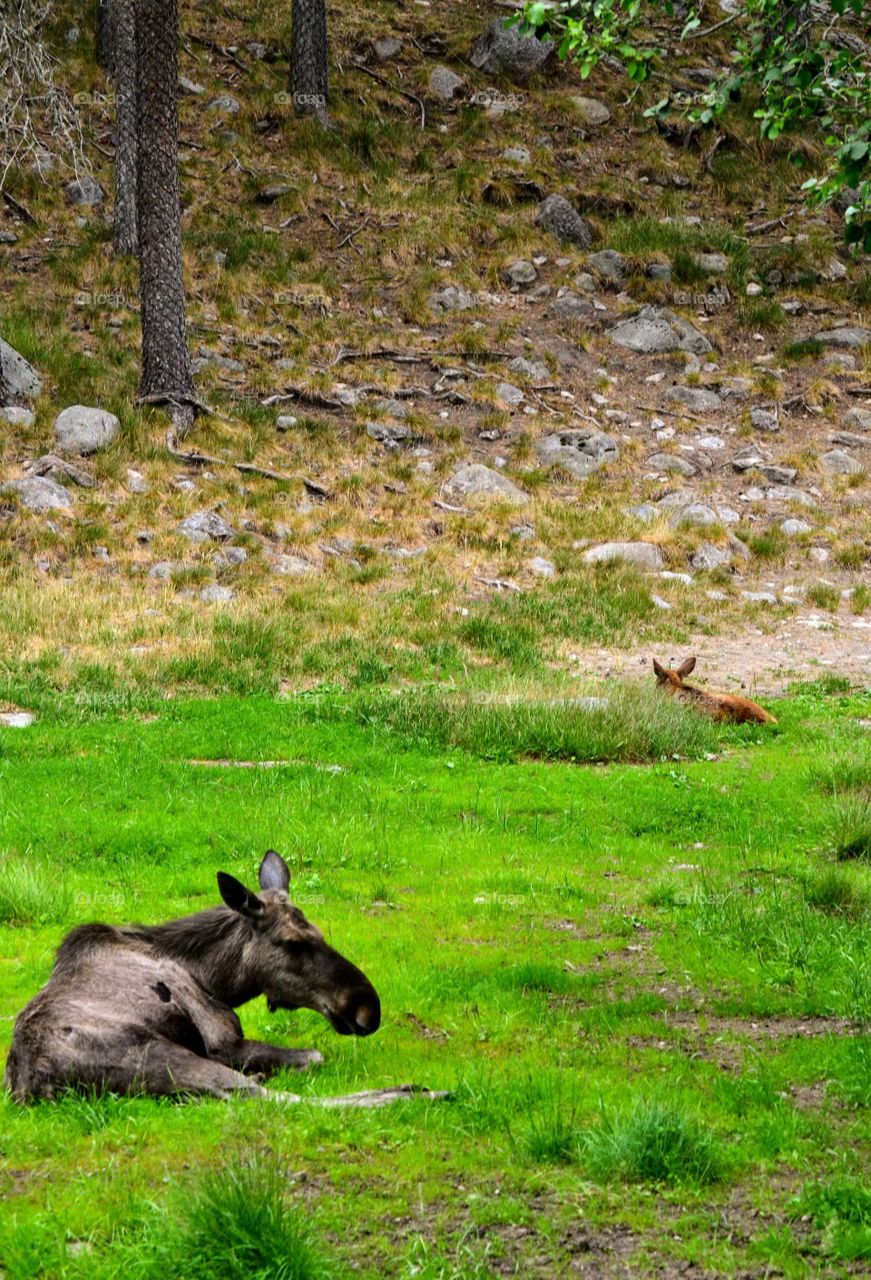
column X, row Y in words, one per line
column 776, row 474
column 391, row 434
column 203, row 526
column 585, row 282
column 580, row 451
column 517, row 155
column 387, row 47
column 16, row 416
column 644, row 555
column 535, row 370
column 214, row 593
column 191, row 87
column 39, row 493
column 136, row 482
column 748, row 459
column 541, row 568
column 556, row 216
column 794, row 528
column 659, row 602
column 840, row 360
column 591, row 110
column 285, row 422
column 509, row 394
column 207, row 358
column 696, row 399
column 833, row 270
column 502, row 50
column 840, row 463
column 764, row 420
column 754, row 290
column 845, row 336
column 672, row 463
column 83, row 430
column 60, row 469
column 393, row 408
column 521, row 273
column 84, row 191
column 858, row 419
column 696, row 514
column 660, row 271
column 714, row 263
column 276, row 191
column 478, row 481
column 760, row 597
column 8, row 237
column 445, row 84
column 568, row 306
column 18, row 378
column 451, row 297
column 709, row 557
column 224, row 105
column 17, row 719
column 164, row 570
column 291, row 566
column 609, row 264
column 656, row 330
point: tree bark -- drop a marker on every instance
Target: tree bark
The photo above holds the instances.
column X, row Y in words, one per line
column 105, row 39
column 125, row 238
column 166, row 366
column 308, row 58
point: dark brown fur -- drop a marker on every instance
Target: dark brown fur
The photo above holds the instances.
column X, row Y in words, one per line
column 151, row 1008
column 720, row 706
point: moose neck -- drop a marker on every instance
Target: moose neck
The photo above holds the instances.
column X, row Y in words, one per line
column 214, row 946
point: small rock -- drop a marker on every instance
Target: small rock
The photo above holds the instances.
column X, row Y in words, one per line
column 858, row 420
column 754, row 290
column 83, row 430
column 845, row 336
column 660, row 271
column 509, row 394
column 16, row 416
column 478, row 481
column 203, row 526
column 387, row 47
column 840, row 463
column 190, row 87
column 84, row 191
column 568, row 306
column 17, row 719
column 390, row 433
column 39, row 493
column 580, row 451
column 8, row 237
column 794, row 528
column 224, row 105
column 697, row 514
column 451, row 297
column 521, row 273
column 164, row 569
column 644, row 555
column 656, row 330
column 714, row 263
column 760, row 597
column 19, row 379
column 285, row 422
column 764, row 420
column 672, row 463
column 709, row 557
column 231, row 558
column 517, row 155
column 591, row 110
column 696, row 399
column 291, row 566
column 560, row 219
column 609, row 264
column 216, row 594
column 136, row 481
column 778, row 475
column 541, row 568
column 502, row 50
column 444, row 84
column 535, row 370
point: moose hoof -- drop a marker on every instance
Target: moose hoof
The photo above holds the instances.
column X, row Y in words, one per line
column 305, row 1059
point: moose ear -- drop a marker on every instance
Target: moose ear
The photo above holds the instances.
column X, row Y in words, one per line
column 661, row 673
column 273, row 871
column 686, row 667
column 237, row 897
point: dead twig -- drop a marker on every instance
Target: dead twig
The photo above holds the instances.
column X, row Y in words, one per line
column 411, row 97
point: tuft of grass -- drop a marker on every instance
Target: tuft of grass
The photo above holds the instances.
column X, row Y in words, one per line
column 654, row 1142
column 805, row 349
column 32, row 895
column 852, row 828
column 836, row 891
column 633, row 724
column 824, row 596
column 235, row 1224
column 842, row 1211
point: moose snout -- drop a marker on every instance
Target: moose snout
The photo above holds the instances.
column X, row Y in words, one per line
column 360, row 1015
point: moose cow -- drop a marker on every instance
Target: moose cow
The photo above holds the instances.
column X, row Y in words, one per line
column 720, row 706
column 150, row 1008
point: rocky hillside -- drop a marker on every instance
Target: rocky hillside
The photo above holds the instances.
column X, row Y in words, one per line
column 498, row 368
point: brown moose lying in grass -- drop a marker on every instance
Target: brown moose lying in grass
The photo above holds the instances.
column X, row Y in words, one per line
column 720, row 706
column 150, row 1008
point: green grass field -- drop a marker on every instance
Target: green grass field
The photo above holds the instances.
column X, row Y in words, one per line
column 647, row 985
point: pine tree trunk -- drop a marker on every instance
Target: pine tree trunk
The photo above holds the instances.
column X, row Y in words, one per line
column 105, row 41
column 308, row 58
column 166, row 368
column 125, row 239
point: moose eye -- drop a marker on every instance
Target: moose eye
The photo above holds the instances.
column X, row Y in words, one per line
column 282, row 897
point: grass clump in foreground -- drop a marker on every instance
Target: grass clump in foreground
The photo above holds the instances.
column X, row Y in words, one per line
column 632, row 725
column 653, row 1142
column 842, row 1210
column 235, row 1224
column 30, row 896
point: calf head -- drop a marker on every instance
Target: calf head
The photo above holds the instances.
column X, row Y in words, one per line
column 296, row 967
column 672, row 680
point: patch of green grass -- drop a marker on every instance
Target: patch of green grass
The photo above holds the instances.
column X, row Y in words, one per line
column 852, row 827
column 804, row 349
column 32, row 894
column 841, row 1209
column 654, row 1142
column 764, row 315
column 235, row 1224
column 834, row 889
column 824, row 596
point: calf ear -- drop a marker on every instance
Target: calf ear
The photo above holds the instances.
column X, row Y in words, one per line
column 273, row 871
column 661, row 673
column 237, row 897
column 686, row 667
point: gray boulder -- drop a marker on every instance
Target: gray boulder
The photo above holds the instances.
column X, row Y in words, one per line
column 83, row 430
column 776, row 474
column 444, row 84
column 845, row 336
column 696, row 399
column 16, row 416
column 591, row 110
column 858, row 420
column 224, row 105
column 18, row 379
column 521, row 273
column 580, row 451
column 570, row 307
column 656, row 330
column 644, row 555
column 608, row 263
column 541, row 567
column 672, row 463
column 714, row 263
column 840, row 463
column 483, row 483
column 502, row 50
column 205, row 526
column 451, row 297
column 535, row 370
column 764, row 420
column 84, row 191
column 696, row 514
column 39, row 493
column 214, row 593
column 291, row 566
column 794, row 528
column 709, row 557
column 560, row 219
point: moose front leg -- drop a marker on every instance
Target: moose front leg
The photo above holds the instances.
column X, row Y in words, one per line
column 266, row 1059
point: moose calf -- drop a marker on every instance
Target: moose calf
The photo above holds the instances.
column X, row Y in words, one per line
column 720, row 706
